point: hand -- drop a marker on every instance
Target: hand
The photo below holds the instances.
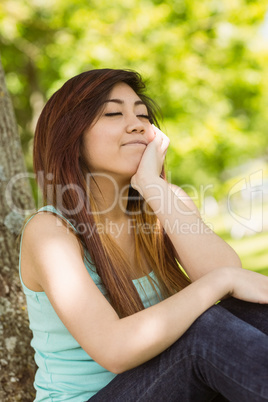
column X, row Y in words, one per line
column 249, row 286
column 152, row 160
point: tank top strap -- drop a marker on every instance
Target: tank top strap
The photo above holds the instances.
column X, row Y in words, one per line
column 51, row 208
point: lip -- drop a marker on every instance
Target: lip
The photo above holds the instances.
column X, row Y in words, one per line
column 136, row 142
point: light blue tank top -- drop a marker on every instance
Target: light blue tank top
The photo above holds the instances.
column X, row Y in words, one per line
column 65, row 371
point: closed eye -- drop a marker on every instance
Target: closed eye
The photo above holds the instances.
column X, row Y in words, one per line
column 113, row 114
column 145, row 116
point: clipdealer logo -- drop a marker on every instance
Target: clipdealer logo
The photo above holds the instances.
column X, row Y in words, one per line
column 245, row 202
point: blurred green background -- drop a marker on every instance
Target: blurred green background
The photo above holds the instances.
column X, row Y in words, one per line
column 206, row 65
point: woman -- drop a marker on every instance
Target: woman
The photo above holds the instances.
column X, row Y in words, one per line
column 114, row 317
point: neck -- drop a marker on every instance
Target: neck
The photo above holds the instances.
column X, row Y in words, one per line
column 110, row 196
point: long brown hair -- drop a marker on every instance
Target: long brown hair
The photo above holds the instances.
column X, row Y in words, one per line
column 59, row 165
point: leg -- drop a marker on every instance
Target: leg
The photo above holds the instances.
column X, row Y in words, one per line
column 219, row 354
column 220, row 398
column 252, row 313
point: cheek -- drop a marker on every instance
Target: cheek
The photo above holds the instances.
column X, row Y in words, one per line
column 89, row 150
column 93, row 143
column 99, row 150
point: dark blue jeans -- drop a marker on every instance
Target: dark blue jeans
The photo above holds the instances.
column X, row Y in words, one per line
column 222, row 356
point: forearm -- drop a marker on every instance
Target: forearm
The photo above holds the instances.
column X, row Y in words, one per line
column 143, row 335
column 199, row 248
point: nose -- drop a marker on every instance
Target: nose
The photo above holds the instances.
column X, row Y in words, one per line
column 135, row 125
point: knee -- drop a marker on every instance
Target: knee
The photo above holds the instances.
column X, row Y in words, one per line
column 207, row 328
column 207, row 321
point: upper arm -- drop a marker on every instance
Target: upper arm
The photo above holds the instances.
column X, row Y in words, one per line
column 204, row 250
column 185, row 198
column 55, row 253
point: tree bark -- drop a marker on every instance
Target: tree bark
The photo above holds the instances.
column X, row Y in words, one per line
column 16, row 356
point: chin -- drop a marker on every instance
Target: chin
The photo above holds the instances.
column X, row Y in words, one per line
column 133, row 169
column 130, row 172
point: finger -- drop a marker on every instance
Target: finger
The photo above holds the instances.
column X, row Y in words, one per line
column 165, row 143
column 154, row 129
column 161, row 138
column 158, row 135
column 164, row 138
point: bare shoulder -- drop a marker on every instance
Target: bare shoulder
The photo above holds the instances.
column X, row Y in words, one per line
column 184, row 197
column 46, row 240
column 46, row 233
column 46, row 225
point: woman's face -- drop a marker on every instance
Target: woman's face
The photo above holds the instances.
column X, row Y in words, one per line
column 114, row 144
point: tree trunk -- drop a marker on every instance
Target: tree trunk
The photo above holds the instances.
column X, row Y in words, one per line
column 16, row 356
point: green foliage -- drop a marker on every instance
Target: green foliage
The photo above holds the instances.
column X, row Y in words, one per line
column 205, row 61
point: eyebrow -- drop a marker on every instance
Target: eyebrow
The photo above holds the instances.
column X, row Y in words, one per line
column 121, row 102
